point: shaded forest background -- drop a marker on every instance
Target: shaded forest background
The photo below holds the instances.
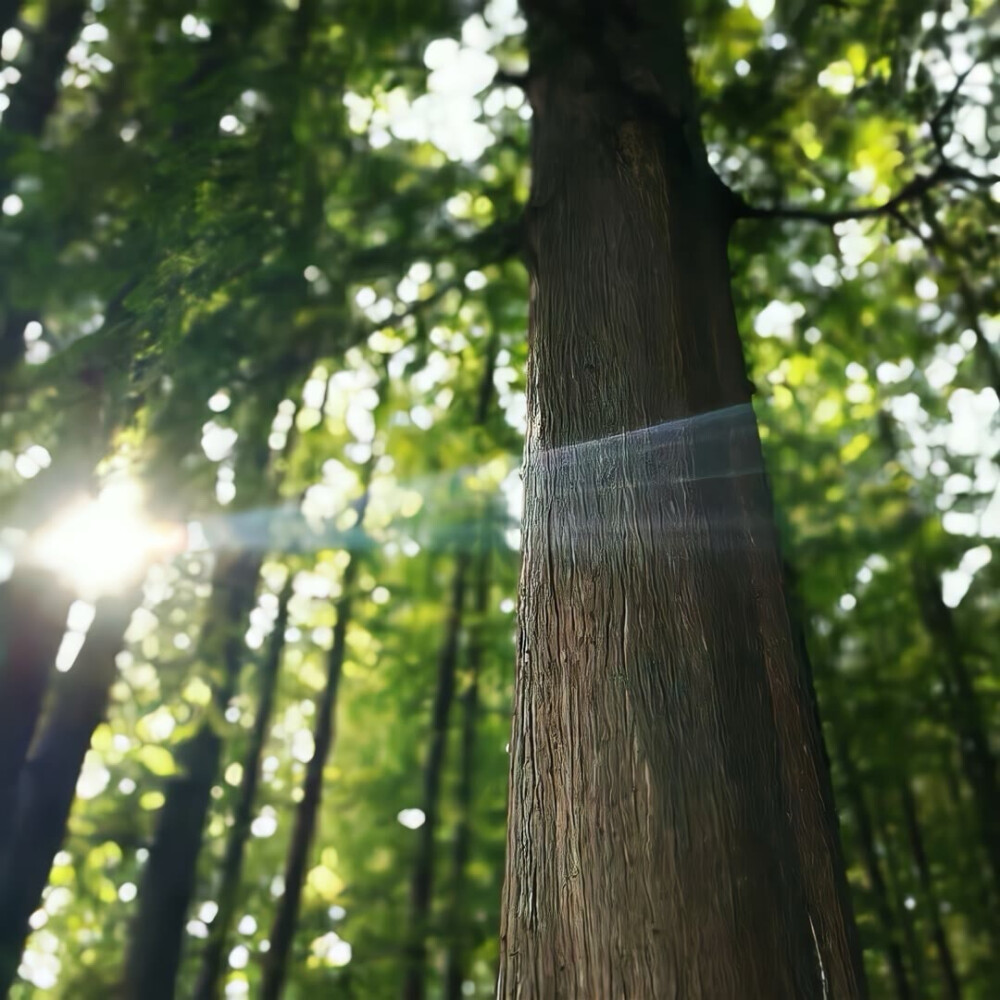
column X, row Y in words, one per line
column 261, row 302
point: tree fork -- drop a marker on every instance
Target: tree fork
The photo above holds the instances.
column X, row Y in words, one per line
column 671, row 828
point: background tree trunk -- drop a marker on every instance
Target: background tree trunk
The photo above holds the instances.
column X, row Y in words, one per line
column 207, row 987
column 671, row 828
column 949, row 974
column 286, row 916
column 880, row 894
column 456, row 956
column 422, row 881
column 979, row 765
column 33, row 610
column 168, row 880
column 48, row 782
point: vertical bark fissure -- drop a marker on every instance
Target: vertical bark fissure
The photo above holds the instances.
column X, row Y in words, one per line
column 227, row 897
column 282, row 934
column 48, row 782
column 671, row 826
column 168, row 880
column 946, row 960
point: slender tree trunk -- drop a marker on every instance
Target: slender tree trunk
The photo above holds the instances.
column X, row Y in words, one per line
column 880, row 894
column 207, row 987
column 169, row 877
column 457, row 955
column 897, row 894
column 671, row 828
column 33, row 610
column 422, row 881
column 949, row 974
column 979, row 764
column 48, row 784
column 282, row 933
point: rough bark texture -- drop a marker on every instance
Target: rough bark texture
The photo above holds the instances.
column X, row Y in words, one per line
column 949, row 976
column 168, row 880
column 282, row 933
column 207, row 987
column 48, row 784
column 422, row 881
column 671, row 830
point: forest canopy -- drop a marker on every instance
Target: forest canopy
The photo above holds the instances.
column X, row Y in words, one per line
column 266, row 268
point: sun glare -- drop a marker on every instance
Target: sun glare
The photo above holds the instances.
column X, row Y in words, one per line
column 101, row 545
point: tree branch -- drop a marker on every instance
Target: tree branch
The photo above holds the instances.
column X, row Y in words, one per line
column 911, row 191
column 914, row 190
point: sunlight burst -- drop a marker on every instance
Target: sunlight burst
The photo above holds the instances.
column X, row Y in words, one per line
column 100, row 545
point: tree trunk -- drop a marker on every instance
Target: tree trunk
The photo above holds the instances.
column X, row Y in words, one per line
column 457, row 954
column 979, row 765
column 169, row 877
column 897, row 894
column 948, row 973
column 671, row 828
column 422, row 882
column 880, row 894
column 48, row 784
column 33, row 610
column 282, row 933
column 207, row 987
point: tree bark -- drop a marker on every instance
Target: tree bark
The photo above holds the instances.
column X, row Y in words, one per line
column 282, row 933
column 457, row 954
column 671, row 827
column 207, row 987
column 168, row 879
column 48, row 783
column 948, row 973
column 422, row 881
column 880, row 894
